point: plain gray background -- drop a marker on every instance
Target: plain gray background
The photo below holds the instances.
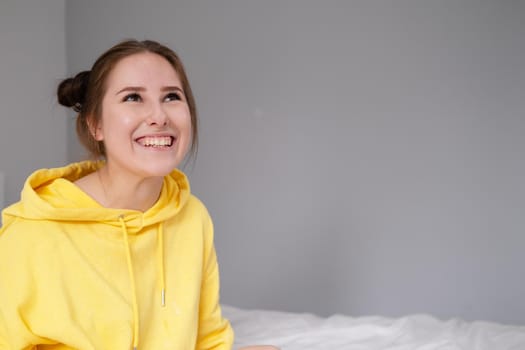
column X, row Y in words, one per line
column 358, row 157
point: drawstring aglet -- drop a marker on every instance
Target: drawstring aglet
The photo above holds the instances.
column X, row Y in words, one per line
column 163, row 297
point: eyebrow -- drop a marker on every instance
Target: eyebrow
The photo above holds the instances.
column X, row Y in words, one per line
column 140, row 88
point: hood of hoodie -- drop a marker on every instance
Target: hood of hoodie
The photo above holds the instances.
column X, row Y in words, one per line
column 50, row 194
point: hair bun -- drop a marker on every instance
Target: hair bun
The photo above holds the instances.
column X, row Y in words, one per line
column 71, row 92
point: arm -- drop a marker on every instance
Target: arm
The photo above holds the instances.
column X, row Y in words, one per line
column 15, row 287
column 4, row 345
column 215, row 332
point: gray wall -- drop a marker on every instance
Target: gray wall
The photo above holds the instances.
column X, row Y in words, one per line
column 360, row 157
column 33, row 60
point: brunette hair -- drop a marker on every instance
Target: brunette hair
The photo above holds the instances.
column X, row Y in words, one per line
column 84, row 92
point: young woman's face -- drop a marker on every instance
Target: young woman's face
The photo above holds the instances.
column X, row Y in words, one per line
column 146, row 123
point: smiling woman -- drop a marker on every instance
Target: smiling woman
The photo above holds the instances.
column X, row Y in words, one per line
column 116, row 253
column 144, row 129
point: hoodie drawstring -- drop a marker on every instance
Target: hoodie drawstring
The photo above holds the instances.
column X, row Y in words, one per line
column 133, row 288
column 160, row 262
column 160, row 269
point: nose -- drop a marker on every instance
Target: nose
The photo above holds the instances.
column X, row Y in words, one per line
column 158, row 116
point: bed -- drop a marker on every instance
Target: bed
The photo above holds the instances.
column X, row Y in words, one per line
column 303, row 331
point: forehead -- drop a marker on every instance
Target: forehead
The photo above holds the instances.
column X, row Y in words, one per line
column 143, row 69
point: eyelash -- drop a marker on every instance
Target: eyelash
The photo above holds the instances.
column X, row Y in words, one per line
column 173, row 96
column 134, row 97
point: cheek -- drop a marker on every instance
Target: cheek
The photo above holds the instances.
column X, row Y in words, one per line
column 181, row 118
column 187, row 120
column 188, row 124
column 188, row 130
column 116, row 122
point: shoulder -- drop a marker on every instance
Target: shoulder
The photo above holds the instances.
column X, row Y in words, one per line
column 194, row 216
column 196, row 207
column 28, row 247
column 17, row 230
column 24, row 236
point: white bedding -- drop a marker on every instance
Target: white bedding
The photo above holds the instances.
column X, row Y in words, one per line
column 295, row 331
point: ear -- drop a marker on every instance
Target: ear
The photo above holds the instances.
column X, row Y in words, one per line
column 95, row 128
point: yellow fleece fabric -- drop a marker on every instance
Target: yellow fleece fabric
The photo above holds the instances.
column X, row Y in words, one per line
column 76, row 275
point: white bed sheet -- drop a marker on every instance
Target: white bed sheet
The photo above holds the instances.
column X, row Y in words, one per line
column 296, row 331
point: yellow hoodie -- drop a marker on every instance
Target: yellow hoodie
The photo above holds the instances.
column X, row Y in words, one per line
column 76, row 275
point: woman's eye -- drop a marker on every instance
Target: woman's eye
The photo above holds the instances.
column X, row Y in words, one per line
column 132, row 97
column 172, row 96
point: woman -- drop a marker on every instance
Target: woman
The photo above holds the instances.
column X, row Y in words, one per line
column 116, row 253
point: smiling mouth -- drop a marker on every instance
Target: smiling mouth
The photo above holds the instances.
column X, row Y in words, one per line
column 156, row 141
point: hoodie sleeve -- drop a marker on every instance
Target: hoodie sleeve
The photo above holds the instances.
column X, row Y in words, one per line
column 16, row 336
column 4, row 345
column 6, row 338
column 215, row 332
column 15, row 284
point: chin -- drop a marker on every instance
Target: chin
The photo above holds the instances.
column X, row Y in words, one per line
column 161, row 171
column 158, row 169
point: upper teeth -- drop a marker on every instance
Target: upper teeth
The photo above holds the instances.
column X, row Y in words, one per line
column 156, row 141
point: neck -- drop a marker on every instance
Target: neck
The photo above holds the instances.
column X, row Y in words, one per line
column 128, row 192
